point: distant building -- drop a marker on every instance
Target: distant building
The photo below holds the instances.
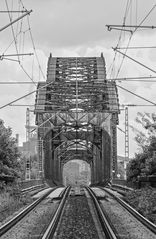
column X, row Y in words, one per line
column 71, row 173
column 29, row 147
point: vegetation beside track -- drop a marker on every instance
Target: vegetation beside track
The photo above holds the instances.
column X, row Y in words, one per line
column 9, row 155
column 144, row 201
column 11, row 200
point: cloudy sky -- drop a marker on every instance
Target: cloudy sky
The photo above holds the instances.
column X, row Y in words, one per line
column 76, row 28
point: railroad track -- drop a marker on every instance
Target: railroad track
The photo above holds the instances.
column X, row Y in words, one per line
column 51, row 229
column 11, row 223
column 74, row 212
column 36, row 189
column 120, row 189
column 143, row 220
column 58, row 221
column 127, row 222
column 107, row 226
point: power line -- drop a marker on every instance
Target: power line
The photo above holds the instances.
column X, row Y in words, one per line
column 10, row 44
column 123, row 26
column 139, row 78
column 135, row 105
column 12, row 29
column 111, row 68
column 135, row 79
column 31, row 36
column 27, row 74
column 17, row 19
column 145, row 19
column 28, row 105
column 139, row 96
column 12, row 55
column 128, row 43
column 116, row 27
column 124, row 55
column 120, row 129
column 22, row 97
column 23, row 11
column 132, row 32
column 17, row 82
column 10, row 59
column 138, row 62
column 135, row 47
column 14, row 37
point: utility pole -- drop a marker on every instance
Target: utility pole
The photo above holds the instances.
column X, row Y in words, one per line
column 27, row 175
column 40, row 155
column 126, row 140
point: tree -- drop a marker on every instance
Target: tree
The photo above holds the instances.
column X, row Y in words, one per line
column 9, row 154
column 147, row 123
column 144, row 163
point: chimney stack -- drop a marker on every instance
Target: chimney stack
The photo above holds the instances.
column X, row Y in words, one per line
column 17, row 140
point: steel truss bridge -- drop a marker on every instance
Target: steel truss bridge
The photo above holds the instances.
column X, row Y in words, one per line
column 76, row 116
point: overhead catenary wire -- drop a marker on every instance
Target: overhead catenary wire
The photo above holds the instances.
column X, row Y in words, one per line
column 24, row 96
column 119, row 27
column 111, row 68
column 22, row 39
column 12, row 29
column 145, row 18
column 136, row 27
column 139, row 96
column 33, row 43
column 12, row 22
column 10, row 44
column 123, row 26
column 135, row 47
column 129, row 40
column 22, row 11
column 17, row 26
column 16, row 47
column 136, row 105
column 31, row 36
column 126, row 49
column 147, row 79
column 27, row 74
column 136, row 11
column 137, row 78
column 138, row 62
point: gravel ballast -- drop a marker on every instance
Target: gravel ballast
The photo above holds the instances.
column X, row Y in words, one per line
column 125, row 224
column 35, row 223
column 77, row 221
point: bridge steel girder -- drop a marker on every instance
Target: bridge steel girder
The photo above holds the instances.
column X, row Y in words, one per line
column 77, row 104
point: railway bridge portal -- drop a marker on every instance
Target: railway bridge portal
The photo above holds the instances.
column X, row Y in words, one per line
column 76, row 115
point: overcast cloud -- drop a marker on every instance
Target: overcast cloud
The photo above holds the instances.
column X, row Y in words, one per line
column 77, row 28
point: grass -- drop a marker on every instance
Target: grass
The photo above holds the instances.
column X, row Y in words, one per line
column 144, row 201
column 11, row 200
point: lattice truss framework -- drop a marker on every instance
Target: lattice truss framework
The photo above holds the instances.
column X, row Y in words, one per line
column 76, row 102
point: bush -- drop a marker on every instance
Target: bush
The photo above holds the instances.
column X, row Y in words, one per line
column 9, row 154
column 12, row 200
column 144, row 201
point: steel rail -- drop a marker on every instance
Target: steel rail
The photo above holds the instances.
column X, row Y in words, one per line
column 51, row 229
column 40, row 187
column 142, row 219
column 107, row 228
column 120, row 189
column 8, row 225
